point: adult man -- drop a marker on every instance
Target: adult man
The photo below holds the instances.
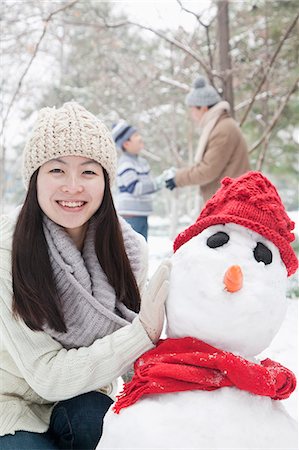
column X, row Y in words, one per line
column 135, row 184
column 222, row 150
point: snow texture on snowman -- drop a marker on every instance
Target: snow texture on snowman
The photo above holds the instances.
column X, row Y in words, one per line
column 204, row 387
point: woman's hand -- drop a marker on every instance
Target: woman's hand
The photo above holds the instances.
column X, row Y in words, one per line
column 152, row 303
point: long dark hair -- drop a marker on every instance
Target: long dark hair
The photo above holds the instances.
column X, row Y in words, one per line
column 35, row 297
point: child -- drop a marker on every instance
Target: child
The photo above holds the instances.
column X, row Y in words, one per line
column 134, row 181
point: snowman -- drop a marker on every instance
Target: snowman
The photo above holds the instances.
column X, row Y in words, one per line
column 204, row 387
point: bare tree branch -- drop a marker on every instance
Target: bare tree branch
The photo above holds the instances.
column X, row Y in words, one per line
column 211, row 60
column 283, row 104
column 262, row 154
column 169, row 39
column 206, row 27
column 173, row 148
column 188, row 50
column 191, row 12
column 266, row 73
column 198, row 16
column 46, row 22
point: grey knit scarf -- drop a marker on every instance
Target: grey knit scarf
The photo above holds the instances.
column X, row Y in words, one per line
column 89, row 303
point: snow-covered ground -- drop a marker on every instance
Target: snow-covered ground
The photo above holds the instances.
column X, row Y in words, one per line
column 284, row 347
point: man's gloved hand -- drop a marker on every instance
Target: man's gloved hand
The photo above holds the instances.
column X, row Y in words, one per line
column 151, row 313
column 170, row 184
column 170, row 178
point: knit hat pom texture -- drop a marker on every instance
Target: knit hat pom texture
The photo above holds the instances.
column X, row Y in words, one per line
column 200, row 82
column 202, row 93
column 253, row 202
column 69, row 131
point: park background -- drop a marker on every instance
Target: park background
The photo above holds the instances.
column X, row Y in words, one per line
column 136, row 60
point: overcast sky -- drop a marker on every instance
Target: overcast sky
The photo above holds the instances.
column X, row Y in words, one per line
column 164, row 13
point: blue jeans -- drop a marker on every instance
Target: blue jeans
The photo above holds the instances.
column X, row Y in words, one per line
column 75, row 424
column 139, row 224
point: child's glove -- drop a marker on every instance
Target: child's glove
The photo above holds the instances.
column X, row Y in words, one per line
column 160, row 181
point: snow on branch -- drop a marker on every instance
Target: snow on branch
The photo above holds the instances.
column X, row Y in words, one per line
column 260, row 96
column 175, row 83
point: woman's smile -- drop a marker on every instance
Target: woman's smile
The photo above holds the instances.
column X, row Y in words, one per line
column 71, row 205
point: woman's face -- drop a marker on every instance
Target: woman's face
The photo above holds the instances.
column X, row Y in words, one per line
column 70, row 190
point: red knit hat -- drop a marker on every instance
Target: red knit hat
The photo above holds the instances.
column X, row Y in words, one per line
column 253, row 202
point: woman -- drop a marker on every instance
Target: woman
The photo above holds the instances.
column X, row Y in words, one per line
column 70, row 274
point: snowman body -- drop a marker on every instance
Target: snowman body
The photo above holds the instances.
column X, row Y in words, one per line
column 225, row 418
column 243, row 321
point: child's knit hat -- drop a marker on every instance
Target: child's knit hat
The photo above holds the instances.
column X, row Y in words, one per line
column 202, row 94
column 253, row 202
column 121, row 132
column 69, row 131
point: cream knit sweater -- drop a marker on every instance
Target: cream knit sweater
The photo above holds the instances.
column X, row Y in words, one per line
column 36, row 371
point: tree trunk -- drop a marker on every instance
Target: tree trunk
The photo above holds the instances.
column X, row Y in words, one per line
column 224, row 52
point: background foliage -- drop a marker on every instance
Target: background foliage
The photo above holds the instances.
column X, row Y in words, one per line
column 90, row 51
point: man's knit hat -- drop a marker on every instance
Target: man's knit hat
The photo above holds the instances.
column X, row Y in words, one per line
column 121, row 132
column 202, row 94
column 253, row 202
column 69, row 131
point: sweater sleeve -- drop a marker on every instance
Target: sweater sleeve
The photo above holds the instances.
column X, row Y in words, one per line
column 131, row 181
column 53, row 372
column 219, row 152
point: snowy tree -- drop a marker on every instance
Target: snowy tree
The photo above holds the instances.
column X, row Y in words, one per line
column 94, row 53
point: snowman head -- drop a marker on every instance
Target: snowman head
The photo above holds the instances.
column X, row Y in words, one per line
column 230, row 268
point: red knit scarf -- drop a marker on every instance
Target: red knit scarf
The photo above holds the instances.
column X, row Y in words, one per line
column 188, row 364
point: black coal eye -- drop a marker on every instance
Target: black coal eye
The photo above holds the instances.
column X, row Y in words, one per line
column 262, row 253
column 217, row 239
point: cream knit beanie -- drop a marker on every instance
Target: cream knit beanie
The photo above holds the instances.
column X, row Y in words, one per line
column 69, row 131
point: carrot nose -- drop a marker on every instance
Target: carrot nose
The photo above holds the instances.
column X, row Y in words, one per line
column 233, row 279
